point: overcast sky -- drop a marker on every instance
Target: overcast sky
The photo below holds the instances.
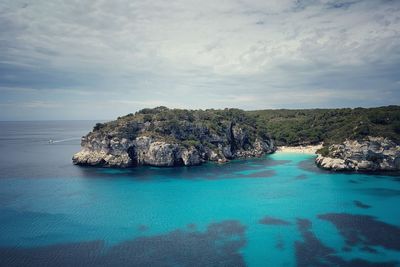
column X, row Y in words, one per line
column 101, row 59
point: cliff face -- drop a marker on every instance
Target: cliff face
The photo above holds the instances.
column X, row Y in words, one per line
column 370, row 154
column 175, row 137
column 163, row 137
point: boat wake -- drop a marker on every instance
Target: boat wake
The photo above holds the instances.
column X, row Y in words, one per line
column 63, row 140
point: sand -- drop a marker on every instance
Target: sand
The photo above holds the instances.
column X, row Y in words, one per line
column 299, row 149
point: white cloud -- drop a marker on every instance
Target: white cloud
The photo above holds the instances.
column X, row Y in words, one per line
column 223, row 37
column 191, row 53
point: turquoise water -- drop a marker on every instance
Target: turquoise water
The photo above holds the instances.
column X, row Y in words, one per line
column 279, row 210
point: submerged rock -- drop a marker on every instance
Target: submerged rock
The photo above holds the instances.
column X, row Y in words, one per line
column 370, row 154
column 165, row 138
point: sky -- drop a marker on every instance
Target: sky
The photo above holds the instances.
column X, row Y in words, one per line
column 99, row 59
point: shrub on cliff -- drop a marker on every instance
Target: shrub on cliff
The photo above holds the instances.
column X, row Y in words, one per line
column 286, row 127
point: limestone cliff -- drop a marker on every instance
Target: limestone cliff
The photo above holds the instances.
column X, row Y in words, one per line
column 369, row 154
column 164, row 137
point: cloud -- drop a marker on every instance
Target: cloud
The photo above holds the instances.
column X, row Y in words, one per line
column 186, row 53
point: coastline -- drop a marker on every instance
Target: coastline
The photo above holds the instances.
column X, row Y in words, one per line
column 311, row 149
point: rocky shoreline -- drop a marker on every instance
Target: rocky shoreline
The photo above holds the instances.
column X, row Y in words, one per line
column 165, row 137
column 148, row 151
column 373, row 154
column 137, row 140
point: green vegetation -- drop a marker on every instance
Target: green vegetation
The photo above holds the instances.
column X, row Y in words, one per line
column 185, row 127
column 286, row 127
column 311, row 126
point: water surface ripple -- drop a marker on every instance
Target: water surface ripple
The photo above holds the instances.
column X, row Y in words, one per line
column 279, row 210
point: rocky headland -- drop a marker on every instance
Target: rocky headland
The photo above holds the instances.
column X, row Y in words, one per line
column 163, row 137
column 369, row 154
column 344, row 139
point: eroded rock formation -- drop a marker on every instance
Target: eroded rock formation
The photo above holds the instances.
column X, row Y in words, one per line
column 370, row 154
column 132, row 141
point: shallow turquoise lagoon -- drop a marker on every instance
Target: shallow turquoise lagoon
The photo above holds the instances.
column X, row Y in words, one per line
column 279, row 210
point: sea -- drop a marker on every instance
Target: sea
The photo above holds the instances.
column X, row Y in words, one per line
column 278, row 210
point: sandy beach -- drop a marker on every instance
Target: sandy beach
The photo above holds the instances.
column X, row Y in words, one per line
column 299, row 149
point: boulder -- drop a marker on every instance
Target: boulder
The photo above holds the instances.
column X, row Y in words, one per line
column 191, row 157
column 160, row 154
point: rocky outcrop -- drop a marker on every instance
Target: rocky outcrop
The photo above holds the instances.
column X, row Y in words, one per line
column 129, row 142
column 158, row 153
column 191, row 157
column 370, row 154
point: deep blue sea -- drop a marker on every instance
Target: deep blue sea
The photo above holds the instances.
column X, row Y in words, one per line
column 279, row 210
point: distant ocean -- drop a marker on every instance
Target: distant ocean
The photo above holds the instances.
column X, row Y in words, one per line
column 279, row 210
